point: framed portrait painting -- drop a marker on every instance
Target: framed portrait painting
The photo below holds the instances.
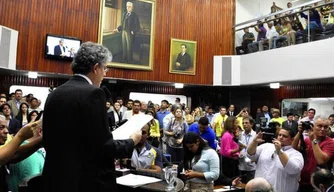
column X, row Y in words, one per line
column 127, row 30
column 182, row 57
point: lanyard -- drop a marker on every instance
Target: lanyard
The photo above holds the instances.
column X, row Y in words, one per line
column 247, row 137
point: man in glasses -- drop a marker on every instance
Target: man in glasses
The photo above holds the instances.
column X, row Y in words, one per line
column 277, row 162
column 319, row 150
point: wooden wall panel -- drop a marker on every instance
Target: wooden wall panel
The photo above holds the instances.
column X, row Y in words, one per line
column 35, row 18
column 209, row 22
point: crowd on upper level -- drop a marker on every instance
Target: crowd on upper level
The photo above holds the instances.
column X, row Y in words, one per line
column 288, row 29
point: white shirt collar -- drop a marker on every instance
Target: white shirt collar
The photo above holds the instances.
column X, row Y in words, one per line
column 85, row 77
column 330, row 188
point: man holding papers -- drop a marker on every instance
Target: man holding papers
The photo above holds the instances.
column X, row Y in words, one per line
column 80, row 150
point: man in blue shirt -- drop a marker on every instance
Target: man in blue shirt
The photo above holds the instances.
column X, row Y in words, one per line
column 204, row 131
column 161, row 114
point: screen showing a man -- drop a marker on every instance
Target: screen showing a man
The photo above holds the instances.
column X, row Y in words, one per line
column 60, row 49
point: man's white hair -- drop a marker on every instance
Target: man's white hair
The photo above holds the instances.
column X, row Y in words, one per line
column 321, row 118
column 259, row 184
column 129, row 3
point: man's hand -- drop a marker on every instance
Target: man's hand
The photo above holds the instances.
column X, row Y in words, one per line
column 136, row 137
column 300, row 128
column 179, row 141
column 28, row 130
column 278, row 145
column 258, row 138
column 178, row 64
column 311, row 134
column 236, row 181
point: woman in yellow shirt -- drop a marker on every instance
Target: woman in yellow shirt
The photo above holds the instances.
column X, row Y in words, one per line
column 276, row 117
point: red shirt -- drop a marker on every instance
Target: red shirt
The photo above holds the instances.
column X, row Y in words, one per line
column 327, row 146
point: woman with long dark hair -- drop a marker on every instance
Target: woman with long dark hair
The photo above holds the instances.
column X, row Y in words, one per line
column 229, row 148
column 22, row 116
column 200, row 162
column 32, row 116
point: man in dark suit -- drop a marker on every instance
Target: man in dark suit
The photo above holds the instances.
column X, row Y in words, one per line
column 290, row 123
column 13, row 124
column 80, row 150
column 323, row 180
column 231, row 111
column 130, row 26
column 60, row 49
column 183, row 61
column 265, row 114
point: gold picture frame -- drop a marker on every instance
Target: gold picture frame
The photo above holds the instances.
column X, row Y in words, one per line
column 182, row 57
column 129, row 35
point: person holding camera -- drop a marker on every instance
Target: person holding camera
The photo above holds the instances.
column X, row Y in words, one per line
column 319, row 149
column 277, row 162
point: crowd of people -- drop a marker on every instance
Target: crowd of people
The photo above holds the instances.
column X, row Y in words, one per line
column 283, row 161
column 267, row 152
column 286, row 28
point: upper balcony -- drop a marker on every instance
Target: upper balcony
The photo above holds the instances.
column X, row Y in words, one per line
column 282, row 27
column 296, row 46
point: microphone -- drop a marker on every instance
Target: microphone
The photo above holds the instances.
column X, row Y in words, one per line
column 106, row 92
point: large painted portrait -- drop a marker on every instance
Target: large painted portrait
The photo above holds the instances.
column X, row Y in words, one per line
column 127, row 30
column 182, row 57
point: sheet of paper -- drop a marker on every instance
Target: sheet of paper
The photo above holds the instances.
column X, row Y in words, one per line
column 132, row 180
column 131, row 126
column 226, row 188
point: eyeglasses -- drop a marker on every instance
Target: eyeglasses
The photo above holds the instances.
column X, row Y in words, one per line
column 105, row 69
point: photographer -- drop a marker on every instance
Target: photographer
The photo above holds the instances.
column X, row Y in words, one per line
column 277, row 162
column 320, row 149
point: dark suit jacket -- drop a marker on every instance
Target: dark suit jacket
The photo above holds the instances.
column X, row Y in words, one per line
column 184, row 61
column 294, row 125
column 80, row 149
column 234, row 113
column 14, row 126
column 111, row 119
column 130, row 23
column 57, row 50
column 259, row 115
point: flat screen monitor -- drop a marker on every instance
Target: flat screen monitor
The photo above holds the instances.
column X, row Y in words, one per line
column 61, row 47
